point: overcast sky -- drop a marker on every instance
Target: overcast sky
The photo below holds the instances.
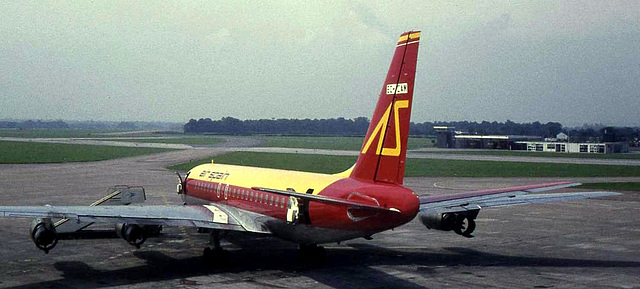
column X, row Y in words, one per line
column 569, row 61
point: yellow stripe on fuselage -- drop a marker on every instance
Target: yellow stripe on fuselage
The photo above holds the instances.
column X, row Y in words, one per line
column 248, row 177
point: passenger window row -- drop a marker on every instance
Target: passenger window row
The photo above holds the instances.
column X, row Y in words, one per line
column 227, row 192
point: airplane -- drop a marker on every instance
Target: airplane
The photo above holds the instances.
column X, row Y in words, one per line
column 309, row 209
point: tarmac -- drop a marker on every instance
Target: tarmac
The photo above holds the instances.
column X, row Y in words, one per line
column 586, row 243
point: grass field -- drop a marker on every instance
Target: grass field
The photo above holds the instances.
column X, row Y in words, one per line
column 27, row 152
column 419, row 167
column 334, row 143
column 55, row 133
column 635, row 156
column 190, row 140
column 622, row 186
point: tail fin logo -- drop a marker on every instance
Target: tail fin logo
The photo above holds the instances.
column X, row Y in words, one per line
column 384, row 121
column 397, row 88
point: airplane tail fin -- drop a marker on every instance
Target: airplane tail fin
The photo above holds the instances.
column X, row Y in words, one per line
column 383, row 153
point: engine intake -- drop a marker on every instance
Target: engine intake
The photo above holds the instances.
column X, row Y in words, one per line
column 43, row 234
column 463, row 223
column 132, row 233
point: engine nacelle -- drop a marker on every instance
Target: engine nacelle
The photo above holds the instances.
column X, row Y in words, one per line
column 43, row 234
column 463, row 223
column 438, row 221
column 132, row 233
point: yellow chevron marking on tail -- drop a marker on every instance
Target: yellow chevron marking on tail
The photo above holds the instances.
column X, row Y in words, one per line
column 384, row 120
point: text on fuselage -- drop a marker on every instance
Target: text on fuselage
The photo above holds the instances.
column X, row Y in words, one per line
column 214, row 175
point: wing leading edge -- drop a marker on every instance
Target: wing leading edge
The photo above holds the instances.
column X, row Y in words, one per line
column 207, row 216
column 504, row 197
column 458, row 212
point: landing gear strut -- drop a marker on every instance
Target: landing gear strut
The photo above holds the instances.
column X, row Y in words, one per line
column 214, row 250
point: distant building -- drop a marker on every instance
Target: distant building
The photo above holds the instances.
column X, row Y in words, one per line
column 500, row 142
column 448, row 137
column 564, row 147
column 444, row 136
column 562, row 137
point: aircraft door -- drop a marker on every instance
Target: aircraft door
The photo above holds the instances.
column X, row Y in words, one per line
column 293, row 210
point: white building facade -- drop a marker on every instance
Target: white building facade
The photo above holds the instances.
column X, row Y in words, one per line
column 564, row 147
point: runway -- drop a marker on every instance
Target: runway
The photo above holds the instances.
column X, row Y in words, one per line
column 589, row 243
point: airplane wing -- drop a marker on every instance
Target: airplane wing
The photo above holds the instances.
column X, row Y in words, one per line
column 457, row 212
column 503, row 197
column 216, row 216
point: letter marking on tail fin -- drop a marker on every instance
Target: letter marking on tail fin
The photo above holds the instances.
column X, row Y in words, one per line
column 383, row 124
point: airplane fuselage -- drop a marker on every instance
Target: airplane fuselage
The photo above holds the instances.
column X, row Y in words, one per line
column 315, row 222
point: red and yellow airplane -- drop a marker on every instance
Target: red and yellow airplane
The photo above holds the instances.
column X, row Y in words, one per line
column 309, row 208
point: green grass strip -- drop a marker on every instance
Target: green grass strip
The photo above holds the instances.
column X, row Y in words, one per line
column 333, row 143
column 419, row 167
column 180, row 140
column 622, row 186
column 31, row 152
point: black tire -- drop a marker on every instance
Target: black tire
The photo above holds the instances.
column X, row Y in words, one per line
column 471, row 226
column 464, row 226
column 312, row 254
column 460, row 225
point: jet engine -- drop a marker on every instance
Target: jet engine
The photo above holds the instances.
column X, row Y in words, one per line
column 463, row 223
column 43, row 234
column 132, row 233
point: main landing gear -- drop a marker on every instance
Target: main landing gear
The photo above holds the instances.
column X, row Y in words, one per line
column 214, row 251
column 465, row 226
column 312, row 253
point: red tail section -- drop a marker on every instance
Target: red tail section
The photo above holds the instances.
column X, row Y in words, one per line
column 384, row 150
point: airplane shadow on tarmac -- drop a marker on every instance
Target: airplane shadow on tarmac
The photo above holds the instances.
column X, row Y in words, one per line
column 351, row 266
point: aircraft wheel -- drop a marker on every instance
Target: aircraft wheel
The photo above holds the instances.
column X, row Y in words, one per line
column 465, row 226
column 312, row 254
column 215, row 256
